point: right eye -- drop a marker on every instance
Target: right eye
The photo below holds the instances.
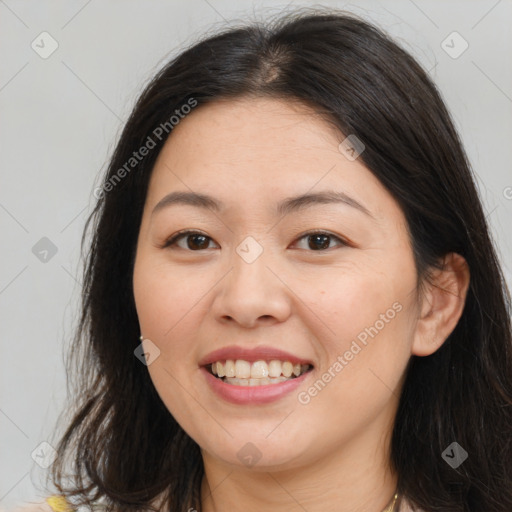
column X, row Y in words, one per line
column 196, row 240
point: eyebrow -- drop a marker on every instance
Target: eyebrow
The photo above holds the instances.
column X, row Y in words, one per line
column 288, row 205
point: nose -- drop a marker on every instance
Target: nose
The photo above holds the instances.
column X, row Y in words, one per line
column 251, row 294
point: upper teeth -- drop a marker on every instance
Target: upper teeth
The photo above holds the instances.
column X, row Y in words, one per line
column 242, row 369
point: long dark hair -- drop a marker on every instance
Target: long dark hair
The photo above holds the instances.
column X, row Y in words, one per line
column 124, row 444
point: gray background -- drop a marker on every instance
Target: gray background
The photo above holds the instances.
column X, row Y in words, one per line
column 61, row 116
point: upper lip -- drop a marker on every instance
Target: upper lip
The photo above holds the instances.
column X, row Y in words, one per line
column 260, row 353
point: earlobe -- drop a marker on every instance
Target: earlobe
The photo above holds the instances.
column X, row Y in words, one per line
column 442, row 305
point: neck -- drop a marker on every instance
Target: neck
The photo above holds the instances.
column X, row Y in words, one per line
column 356, row 478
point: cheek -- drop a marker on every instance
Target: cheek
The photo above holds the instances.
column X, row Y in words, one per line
column 346, row 300
column 165, row 296
column 171, row 304
column 362, row 314
column 166, row 307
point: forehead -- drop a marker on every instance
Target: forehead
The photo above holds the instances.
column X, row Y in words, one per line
column 252, row 149
column 249, row 126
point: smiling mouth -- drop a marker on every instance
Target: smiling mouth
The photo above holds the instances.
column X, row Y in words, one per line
column 239, row 372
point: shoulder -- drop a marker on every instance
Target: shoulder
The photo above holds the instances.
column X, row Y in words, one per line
column 405, row 506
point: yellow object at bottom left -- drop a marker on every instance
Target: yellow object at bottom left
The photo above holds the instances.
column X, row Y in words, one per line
column 58, row 504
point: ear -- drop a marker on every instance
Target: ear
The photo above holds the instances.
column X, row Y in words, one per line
column 441, row 305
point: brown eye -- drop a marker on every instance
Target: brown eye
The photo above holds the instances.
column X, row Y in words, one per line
column 195, row 241
column 317, row 241
column 320, row 241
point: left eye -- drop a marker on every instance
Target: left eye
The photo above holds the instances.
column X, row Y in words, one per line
column 320, row 240
column 317, row 240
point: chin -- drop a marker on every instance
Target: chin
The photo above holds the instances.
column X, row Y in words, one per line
column 259, row 455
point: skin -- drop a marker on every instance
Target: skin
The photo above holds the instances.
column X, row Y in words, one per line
column 333, row 452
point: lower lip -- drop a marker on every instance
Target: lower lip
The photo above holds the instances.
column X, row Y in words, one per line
column 252, row 394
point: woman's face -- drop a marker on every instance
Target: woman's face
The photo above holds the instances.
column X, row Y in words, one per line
column 254, row 287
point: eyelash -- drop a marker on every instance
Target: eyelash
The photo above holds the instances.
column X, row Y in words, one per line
column 182, row 234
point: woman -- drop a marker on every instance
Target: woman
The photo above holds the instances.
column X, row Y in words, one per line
column 291, row 299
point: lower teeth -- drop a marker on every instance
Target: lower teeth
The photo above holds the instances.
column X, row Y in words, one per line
column 255, row 382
